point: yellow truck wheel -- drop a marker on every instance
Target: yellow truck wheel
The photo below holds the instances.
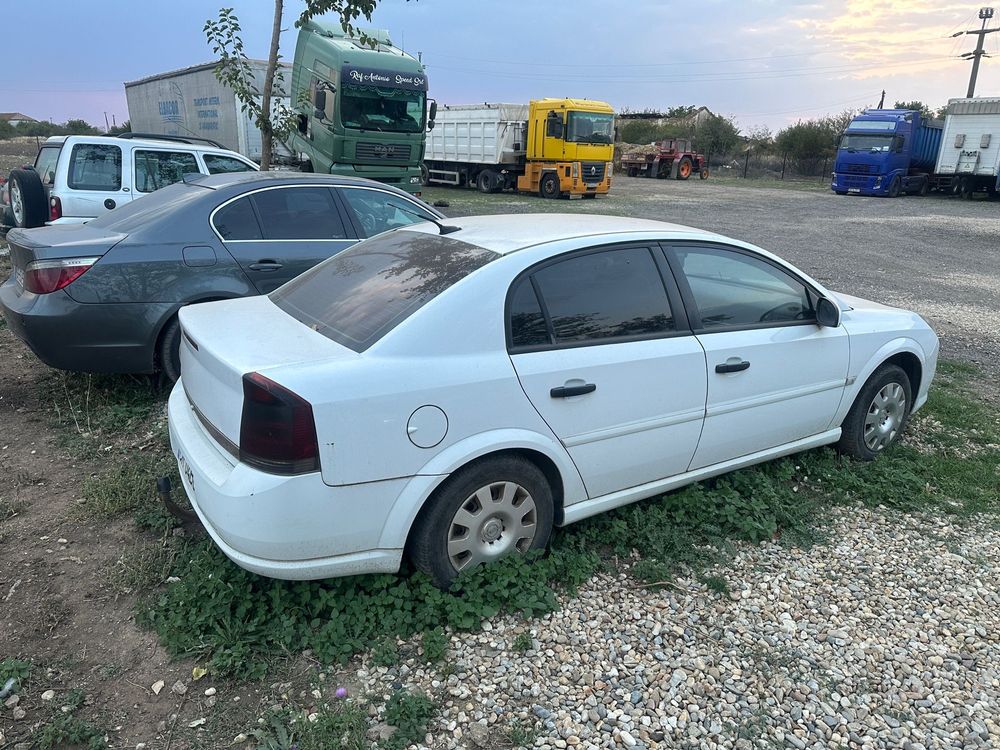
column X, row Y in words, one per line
column 548, row 187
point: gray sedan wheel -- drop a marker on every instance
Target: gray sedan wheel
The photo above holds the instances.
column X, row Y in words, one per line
column 490, row 509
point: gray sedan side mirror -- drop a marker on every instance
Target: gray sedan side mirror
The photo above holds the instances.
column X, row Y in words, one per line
column 827, row 313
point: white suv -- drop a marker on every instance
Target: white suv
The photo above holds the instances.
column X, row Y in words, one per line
column 79, row 177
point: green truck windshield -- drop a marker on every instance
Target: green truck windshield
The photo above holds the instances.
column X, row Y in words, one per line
column 386, row 110
column 590, row 127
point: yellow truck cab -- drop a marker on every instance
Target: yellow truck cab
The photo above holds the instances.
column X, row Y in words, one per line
column 570, row 148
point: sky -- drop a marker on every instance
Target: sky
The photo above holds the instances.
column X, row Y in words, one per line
column 764, row 62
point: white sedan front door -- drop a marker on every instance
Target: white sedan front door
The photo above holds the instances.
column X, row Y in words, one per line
column 774, row 375
column 609, row 366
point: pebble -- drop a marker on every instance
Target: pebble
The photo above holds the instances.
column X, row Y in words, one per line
column 875, row 639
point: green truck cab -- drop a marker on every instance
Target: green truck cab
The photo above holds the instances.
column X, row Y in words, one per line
column 362, row 111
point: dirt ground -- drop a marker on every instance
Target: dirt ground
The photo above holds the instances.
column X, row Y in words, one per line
column 58, row 608
column 16, row 152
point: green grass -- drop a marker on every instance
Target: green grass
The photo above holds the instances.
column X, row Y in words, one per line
column 239, row 621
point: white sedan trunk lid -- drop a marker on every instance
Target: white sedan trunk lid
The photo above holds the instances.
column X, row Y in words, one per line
column 222, row 341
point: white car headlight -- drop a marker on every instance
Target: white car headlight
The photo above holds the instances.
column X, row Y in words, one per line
column 414, row 180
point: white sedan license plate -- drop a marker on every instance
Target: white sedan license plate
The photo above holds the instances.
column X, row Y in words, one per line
column 186, row 473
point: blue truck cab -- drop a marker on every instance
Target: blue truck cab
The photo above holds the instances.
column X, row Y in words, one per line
column 886, row 152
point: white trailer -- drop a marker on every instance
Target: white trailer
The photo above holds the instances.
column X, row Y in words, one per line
column 192, row 102
column 970, row 146
column 479, row 145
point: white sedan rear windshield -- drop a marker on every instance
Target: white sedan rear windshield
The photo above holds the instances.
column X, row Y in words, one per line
column 359, row 295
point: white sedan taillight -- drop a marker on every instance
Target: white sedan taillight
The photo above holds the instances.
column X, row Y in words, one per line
column 277, row 430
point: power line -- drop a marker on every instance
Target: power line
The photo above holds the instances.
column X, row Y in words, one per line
column 986, row 14
column 604, row 66
column 697, row 77
column 852, row 100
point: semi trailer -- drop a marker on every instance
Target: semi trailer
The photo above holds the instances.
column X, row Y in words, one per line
column 193, row 103
column 887, row 152
column 550, row 147
column 892, row 151
column 968, row 160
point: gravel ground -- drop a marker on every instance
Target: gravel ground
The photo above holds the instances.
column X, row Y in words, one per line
column 937, row 255
column 886, row 636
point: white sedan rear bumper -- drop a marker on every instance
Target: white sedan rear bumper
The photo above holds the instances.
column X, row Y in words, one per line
column 289, row 527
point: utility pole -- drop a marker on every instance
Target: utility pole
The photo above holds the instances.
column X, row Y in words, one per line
column 986, row 14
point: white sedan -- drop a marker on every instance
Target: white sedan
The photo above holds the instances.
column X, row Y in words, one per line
column 452, row 391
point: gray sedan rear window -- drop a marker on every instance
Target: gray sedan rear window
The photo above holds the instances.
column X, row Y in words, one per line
column 359, row 295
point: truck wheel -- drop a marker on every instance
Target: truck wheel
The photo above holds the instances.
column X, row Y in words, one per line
column 549, row 185
column 703, row 174
column 306, row 165
column 486, row 181
column 894, row 187
column 965, row 188
column 925, row 187
column 684, row 168
column 27, row 199
column 425, row 175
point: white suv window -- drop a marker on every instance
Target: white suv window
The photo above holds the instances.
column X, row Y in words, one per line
column 45, row 163
column 95, row 166
column 157, row 169
column 217, row 164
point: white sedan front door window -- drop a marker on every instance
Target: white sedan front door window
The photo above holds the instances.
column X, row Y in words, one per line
column 774, row 375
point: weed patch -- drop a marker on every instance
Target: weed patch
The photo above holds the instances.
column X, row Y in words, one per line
column 15, row 669
column 409, row 713
column 239, row 621
column 66, row 729
column 435, row 645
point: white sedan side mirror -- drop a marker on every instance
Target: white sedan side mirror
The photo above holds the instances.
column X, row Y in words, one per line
column 827, row 313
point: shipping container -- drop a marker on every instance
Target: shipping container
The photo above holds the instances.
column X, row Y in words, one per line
column 193, row 102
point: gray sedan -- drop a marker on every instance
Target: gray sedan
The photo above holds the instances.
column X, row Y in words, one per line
column 104, row 296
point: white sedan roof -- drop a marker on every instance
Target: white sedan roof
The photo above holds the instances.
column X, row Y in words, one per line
column 505, row 233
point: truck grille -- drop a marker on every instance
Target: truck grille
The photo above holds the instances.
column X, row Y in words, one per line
column 393, row 152
column 861, row 168
column 854, row 180
column 592, row 172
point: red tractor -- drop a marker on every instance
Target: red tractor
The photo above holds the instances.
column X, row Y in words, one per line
column 674, row 158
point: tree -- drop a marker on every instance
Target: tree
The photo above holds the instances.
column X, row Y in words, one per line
column 648, row 131
column 760, row 138
column 79, row 127
column 125, row 127
column 234, row 69
column 809, row 142
column 925, row 112
column 717, row 136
